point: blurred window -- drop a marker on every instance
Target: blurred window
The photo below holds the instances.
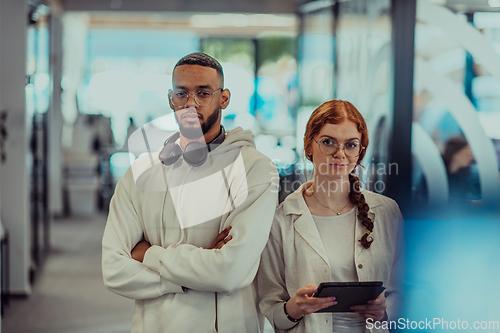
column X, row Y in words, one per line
column 456, row 105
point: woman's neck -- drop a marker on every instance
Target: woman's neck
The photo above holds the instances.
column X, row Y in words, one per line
column 331, row 192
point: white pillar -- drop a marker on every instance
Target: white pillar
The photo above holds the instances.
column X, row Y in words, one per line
column 55, row 121
column 14, row 178
column 1, row 225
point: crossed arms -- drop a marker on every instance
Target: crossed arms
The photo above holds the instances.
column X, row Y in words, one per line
column 225, row 267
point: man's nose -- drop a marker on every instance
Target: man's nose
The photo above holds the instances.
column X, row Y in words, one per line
column 191, row 101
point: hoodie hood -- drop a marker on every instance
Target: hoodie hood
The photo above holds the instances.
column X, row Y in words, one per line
column 235, row 139
column 149, row 173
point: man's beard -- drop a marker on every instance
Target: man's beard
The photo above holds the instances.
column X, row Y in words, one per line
column 194, row 133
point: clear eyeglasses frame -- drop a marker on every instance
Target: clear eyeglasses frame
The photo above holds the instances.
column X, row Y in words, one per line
column 351, row 148
column 201, row 97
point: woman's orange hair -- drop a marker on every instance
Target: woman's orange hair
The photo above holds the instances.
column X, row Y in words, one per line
column 336, row 112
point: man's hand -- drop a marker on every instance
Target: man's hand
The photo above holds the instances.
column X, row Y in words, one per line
column 374, row 309
column 139, row 250
column 222, row 239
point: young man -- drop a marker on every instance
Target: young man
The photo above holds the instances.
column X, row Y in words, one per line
column 188, row 255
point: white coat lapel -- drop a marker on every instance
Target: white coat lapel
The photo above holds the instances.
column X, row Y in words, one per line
column 307, row 229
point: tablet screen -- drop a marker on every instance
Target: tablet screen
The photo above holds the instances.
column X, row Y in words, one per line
column 348, row 294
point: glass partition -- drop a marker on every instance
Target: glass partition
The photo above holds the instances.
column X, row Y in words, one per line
column 363, row 70
column 345, row 53
column 457, row 107
column 316, row 71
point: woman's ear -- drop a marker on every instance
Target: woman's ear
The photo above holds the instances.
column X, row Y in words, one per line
column 310, row 155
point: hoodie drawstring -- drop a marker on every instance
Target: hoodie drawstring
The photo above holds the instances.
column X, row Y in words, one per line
column 166, row 179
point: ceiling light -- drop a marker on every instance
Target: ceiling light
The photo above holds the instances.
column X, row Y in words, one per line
column 438, row 2
column 494, row 3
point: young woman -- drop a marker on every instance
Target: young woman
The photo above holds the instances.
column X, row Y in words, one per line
column 331, row 230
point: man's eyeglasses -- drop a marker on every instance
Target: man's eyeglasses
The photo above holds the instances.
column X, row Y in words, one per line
column 330, row 147
column 202, row 97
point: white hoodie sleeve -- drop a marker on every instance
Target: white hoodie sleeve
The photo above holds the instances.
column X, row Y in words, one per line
column 235, row 265
column 122, row 274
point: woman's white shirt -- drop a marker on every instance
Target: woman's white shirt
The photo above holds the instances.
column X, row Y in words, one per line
column 337, row 235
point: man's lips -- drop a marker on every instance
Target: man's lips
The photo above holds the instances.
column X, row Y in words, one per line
column 191, row 116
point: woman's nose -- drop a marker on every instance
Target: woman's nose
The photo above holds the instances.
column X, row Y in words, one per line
column 340, row 152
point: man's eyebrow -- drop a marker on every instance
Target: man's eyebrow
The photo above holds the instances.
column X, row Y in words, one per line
column 203, row 86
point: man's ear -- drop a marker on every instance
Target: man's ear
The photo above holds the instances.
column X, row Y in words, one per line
column 225, row 97
column 170, row 102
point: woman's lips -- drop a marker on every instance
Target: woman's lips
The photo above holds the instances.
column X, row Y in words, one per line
column 339, row 165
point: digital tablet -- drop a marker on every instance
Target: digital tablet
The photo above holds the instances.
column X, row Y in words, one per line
column 348, row 294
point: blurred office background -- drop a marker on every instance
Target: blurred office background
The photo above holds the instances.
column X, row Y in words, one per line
column 78, row 77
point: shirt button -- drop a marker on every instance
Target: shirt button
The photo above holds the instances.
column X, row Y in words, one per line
column 360, row 266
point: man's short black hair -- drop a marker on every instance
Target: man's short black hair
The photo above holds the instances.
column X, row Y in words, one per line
column 201, row 59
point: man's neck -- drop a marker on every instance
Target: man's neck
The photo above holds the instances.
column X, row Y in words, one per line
column 206, row 138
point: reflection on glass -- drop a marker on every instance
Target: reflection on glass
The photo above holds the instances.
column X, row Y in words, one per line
column 316, row 63
column 261, row 74
column 457, row 99
column 359, row 38
column 276, row 83
column 119, row 164
column 127, row 73
column 237, row 57
column 462, row 177
column 317, row 57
